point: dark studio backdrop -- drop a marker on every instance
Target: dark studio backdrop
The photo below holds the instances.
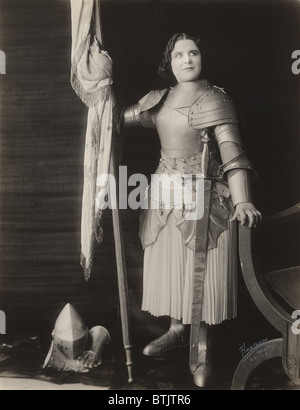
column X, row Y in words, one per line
column 247, row 48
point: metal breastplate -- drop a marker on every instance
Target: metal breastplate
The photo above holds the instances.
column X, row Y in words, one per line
column 175, row 133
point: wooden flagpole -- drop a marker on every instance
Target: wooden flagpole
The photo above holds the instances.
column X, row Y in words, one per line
column 122, row 276
column 119, row 243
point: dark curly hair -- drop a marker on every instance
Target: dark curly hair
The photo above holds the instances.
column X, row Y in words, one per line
column 165, row 68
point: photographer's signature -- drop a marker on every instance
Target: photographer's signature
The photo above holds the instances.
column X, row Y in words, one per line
column 244, row 350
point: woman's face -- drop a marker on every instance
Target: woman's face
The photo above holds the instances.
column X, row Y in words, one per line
column 186, row 61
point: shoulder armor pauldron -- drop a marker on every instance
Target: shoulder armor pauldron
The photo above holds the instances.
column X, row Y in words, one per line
column 213, row 107
column 152, row 99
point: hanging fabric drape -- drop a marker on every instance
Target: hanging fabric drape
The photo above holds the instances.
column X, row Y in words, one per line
column 91, row 79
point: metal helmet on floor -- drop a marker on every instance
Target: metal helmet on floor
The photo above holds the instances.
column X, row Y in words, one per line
column 71, row 340
column 70, row 334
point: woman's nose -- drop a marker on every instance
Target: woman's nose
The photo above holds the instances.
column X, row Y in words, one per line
column 187, row 59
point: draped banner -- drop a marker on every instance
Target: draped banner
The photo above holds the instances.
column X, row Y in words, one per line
column 91, row 79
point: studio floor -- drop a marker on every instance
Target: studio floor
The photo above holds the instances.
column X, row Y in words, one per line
column 29, row 384
column 21, row 361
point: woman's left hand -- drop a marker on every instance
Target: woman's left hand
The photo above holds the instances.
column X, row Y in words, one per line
column 247, row 214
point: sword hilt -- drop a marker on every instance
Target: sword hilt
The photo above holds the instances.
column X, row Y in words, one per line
column 205, row 153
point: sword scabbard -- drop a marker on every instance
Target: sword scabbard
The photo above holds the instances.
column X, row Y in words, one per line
column 201, row 242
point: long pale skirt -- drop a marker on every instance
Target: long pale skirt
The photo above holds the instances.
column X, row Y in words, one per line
column 168, row 277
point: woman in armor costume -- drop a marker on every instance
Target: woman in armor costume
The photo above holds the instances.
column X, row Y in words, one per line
column 198, row 130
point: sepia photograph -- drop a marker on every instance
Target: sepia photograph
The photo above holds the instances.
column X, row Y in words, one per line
column 149, row 197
